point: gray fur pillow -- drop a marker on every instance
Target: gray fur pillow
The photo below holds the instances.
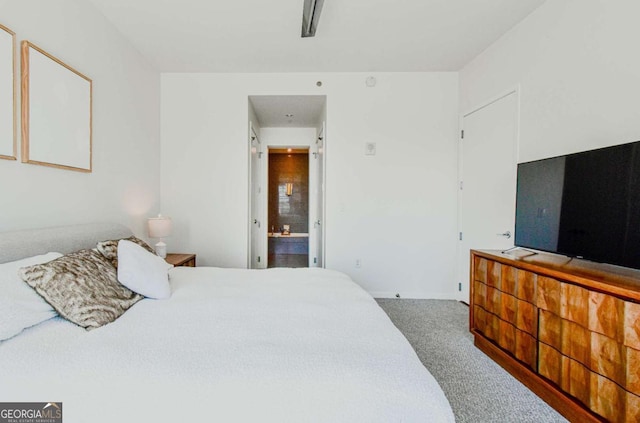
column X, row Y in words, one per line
column 109, row 249
column 82, row 287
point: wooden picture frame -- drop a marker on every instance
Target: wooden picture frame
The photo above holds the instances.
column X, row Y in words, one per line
column 56, row 112
column 7, row 94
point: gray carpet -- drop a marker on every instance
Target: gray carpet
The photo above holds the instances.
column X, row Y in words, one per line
column 478, row 389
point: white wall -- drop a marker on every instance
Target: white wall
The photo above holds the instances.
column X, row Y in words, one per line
column 577, row 65
column 289, row 137
column 124, row 185
column 396, row 211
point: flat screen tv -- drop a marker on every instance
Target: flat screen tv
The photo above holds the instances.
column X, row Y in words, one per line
column 584, row 205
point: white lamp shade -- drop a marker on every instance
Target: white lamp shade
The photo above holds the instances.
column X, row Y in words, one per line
column 159, row 227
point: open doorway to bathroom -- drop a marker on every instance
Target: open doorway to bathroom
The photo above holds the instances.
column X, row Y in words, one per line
column 288, row 211
column 286, row 219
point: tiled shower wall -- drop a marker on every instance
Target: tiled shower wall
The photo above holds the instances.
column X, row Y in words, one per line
column 283, row 209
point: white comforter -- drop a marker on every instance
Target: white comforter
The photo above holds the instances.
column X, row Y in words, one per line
column 280, row 345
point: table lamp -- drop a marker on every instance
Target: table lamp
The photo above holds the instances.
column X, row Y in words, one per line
column 160, row 227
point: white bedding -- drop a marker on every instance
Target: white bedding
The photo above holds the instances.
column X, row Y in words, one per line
column 280, row 345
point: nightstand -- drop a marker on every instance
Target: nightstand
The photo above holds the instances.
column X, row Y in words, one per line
column 187, row 260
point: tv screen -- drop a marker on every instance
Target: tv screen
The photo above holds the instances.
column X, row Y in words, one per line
column 582, row 205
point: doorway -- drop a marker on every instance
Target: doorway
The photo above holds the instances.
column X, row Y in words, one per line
column 279, row 127
column 488, row 149
column 288, row 210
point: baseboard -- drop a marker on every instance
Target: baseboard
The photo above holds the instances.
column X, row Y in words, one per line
column 413, row 295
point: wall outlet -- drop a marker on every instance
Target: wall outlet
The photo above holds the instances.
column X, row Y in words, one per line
column 358, row 263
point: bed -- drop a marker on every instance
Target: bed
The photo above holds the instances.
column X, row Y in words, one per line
column 278, row 345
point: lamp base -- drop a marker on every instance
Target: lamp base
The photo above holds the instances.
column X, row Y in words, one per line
column 161, row 249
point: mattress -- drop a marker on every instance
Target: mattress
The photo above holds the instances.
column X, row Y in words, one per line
column 277, row 345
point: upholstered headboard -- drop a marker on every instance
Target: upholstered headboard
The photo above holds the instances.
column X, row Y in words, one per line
column 63, row 239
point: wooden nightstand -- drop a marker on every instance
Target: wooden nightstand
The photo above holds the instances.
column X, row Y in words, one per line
column 187, row 260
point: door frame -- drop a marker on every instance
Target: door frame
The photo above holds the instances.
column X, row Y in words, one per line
column 462, row 261
column 265, row 208
column 250, row 201
column 320, row 143
column 322, row 128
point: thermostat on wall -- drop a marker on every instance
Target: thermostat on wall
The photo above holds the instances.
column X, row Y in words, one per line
column 370, row 148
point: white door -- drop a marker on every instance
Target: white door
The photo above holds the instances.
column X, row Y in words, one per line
column 257, row 257
column 316, row 227
column 488, row 181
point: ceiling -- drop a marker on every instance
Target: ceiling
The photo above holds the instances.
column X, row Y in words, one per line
column 273, row 110
column 353, row 35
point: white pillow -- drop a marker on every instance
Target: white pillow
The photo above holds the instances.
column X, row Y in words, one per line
column 143, row 272
column 21, row 306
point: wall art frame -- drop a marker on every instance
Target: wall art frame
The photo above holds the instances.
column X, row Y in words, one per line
column 56, row 112
column 8, row 92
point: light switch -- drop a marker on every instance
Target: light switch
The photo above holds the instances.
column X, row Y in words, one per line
column 370, row 148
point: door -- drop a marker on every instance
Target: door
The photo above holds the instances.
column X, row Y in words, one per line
column 256, row 257
column 316, row 226
column 488, row 181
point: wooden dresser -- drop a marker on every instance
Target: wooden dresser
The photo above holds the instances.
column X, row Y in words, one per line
column 567, row 329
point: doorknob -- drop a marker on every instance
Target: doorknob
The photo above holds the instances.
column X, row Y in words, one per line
column 505, row 234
